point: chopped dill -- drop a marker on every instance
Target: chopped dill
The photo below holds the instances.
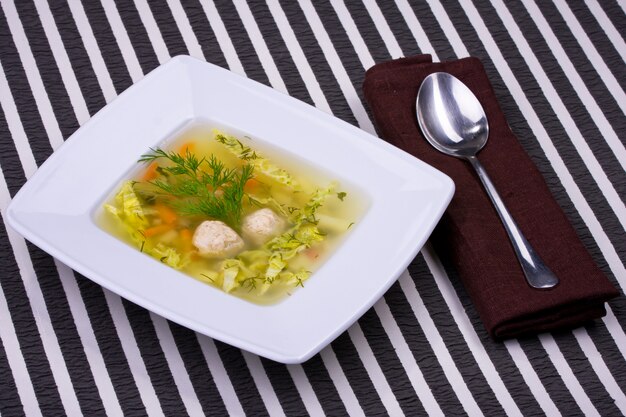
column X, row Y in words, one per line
column 350, row 225
column 143, row 243
column 341, row 195
column 204, row 186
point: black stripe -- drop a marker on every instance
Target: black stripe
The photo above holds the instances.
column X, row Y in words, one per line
column 22, row 96
column 9, row 160
column 50, row 75
column 73, row 44
column 615, row 13
column 280, row 54
column 435, row 34
column 600, row 92
column 242, row 43
column 10, row 404
column 585, row 374
column 315, row 57
column 341, row 42
column 110, row 347
column 598, row 36
column 549, row 376
column 110, row 51
column 324, row 388
column 65, row 330
column 167, row 26
column 357, row 376
column 610, row 353
column 154, row 359
column 572, row 101
column 204, row 33
column 372, row 38
column 138, row 35
column 241, row 379
column 284, row 387
column 198, row 371
column 457, row 346
column 399, row 27
column 26, row 331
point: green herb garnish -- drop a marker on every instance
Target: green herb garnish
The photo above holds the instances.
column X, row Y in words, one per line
column 341, row 195
column 204, row 186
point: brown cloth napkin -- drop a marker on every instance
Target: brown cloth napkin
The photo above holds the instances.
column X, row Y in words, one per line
column 470, row 233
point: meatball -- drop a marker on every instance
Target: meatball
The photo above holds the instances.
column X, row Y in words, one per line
column 215, row 240
column 261, row 225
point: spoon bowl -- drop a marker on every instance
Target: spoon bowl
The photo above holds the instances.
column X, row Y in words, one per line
column 454, row 122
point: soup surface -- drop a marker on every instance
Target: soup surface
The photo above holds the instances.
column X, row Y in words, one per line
column 233, row 213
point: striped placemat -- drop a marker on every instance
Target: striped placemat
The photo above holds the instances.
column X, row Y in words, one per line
column 69, row 347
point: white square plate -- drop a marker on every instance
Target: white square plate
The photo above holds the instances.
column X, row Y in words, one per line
column 55, row 209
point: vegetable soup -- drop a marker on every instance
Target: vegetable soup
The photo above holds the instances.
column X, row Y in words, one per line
column 233, row 213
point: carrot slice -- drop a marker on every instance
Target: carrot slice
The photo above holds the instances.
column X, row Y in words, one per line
column 186, row 237
column 188, row 146
column 150, row 172
column 251, row 185
column 157, row 230
column 165, row 213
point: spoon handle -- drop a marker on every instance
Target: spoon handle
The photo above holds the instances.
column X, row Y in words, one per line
column 537, row 273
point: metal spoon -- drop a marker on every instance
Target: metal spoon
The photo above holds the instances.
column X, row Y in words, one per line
column 454, row 122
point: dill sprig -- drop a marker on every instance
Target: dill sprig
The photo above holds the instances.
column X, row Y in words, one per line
column 200, row 186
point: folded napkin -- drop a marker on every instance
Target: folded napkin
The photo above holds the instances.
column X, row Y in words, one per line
column 470, row 233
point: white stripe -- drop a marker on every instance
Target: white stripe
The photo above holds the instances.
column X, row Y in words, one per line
column 186, row 31
column 88, row 341
column 469, row 333
column 348, row 398
column 29, row 165
column 568, row 377
column 226, row 45
column 374, row 371
column 260, row 47
column 122, row 40
column 604, row 375
column 158, row 44
column 32, row 74
column 353, row 33
column 383, row 28
column 263, row 384
column 132, row 354
column 63, row 62
column 23, row 382
column 530, row 378
column 592, row 53
column 440, row 349
column 585, row 152
column 420, row 36
column 92, row 49
column 46, row 331
column 303, row 385
column 176, row 365
column 339, row 71
column 220, row 377
column 565, row 177
column 607, row 26
column 298, row 57
column 413, row 372
column 579, row 85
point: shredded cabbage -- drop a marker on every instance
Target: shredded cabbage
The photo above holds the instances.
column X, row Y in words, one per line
column 132, row 216
column 260, row 164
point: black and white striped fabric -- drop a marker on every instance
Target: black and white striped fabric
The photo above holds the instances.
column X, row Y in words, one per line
column 69, row 347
